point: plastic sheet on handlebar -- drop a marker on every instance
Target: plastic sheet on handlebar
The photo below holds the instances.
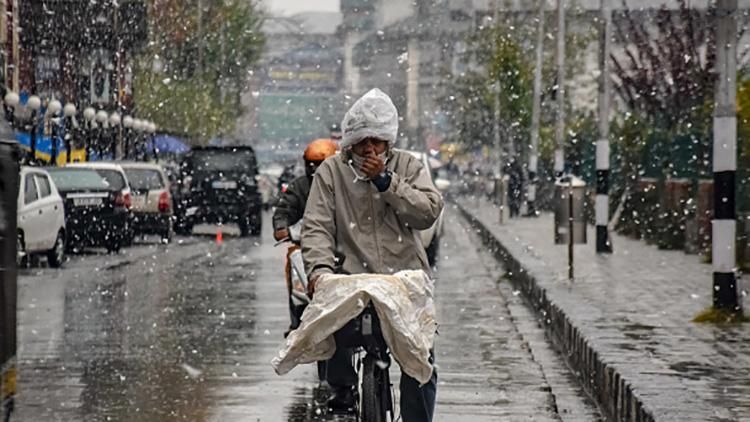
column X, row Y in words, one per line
column 405, row 307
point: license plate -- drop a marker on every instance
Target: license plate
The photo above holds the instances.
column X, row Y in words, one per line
column 87, row 202
column 224, row 185
column 139, row 201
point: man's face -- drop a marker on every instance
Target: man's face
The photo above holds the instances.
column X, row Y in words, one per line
column 370, row 146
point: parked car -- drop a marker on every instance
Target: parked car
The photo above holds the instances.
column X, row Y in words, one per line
column 219, row 185
column 98, row 204
column 151, row 199
column 41, row 218
column 430, row 237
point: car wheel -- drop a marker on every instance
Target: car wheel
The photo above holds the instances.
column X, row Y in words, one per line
column 56, row 255
column 432, row 251
column 114, row 244
column 22, row 260
column 244, row 226
column 183, row 227
column 256, row 224
column 166, row 236
column 128, row 235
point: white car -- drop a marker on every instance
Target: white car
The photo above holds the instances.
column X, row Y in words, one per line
column 41, row 217
column 430, row 237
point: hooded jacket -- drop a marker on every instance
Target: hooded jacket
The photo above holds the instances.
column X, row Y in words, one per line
column 375, row 232
column 291, row 205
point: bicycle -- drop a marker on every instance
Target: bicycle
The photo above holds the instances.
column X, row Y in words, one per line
column 372, row 362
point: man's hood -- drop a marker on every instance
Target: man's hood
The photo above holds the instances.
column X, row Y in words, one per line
column 372, row 116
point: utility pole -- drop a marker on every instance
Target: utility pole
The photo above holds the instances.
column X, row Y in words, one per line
column 536, row 114
column 200, row 37
column 560, row 129
column 603, row 244
column 499, row 181
column 725, row 289
column 200, row 65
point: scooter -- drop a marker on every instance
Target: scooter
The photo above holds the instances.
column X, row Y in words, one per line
column 296, row 283
column 296, row 278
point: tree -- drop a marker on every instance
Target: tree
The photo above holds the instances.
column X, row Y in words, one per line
column 667, row 72
column 190, row 78
column 501, row 54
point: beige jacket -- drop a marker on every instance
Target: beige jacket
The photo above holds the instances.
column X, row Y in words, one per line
column 376, row 232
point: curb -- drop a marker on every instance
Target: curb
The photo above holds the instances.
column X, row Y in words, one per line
column 603, row 382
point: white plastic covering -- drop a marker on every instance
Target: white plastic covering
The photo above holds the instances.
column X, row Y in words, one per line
column 372, row 116
column 404, row 305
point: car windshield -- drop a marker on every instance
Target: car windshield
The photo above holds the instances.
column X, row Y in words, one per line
column 222, row 160
column 68, row 180
column 144, row 179
column 113, row 178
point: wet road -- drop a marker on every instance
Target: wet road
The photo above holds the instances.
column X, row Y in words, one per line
column 184, row 332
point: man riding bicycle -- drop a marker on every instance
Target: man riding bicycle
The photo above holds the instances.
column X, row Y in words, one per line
column 367, row 205
column 291, row 205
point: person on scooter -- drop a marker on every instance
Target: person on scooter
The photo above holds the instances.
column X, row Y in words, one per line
column 291, row 205
column 367, row 205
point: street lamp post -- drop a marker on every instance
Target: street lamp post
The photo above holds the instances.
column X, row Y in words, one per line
column 726, row 295
column 115, row 130
column 53, row 109
column 535, row 115
column 88, row 114
column 69, row 111
column 151, row 130
column 101, row 117
column 603, row 243
column 127, row 123
column 138, row 126
column 11, row 102
column 34, row 103
column 560, row 126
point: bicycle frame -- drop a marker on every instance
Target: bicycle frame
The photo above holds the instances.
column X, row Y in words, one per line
column 364, row 335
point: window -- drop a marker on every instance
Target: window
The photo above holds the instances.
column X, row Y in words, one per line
column 69, row 179
column 223, row 160
column 44, row 188
column 144, row 179
column 29, row 191
column 114, row 179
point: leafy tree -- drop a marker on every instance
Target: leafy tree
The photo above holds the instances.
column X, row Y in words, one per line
column 503, row 55
column 190, row 78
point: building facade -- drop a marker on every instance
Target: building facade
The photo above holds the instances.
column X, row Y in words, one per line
column 296, row 93
column 76, row 51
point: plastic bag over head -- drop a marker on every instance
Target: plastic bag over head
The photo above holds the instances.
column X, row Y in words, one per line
column 372, row 116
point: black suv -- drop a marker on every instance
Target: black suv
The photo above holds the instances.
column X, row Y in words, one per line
column 219, row 185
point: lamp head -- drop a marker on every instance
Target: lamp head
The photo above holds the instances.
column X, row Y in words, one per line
column 11, row 99
column 54, row 107
column 69, row 110
column 89, row 113
column 35, row 103
column 114, row 119
column 102, row 116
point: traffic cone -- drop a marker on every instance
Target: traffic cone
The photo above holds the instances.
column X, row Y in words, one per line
column 219, row 237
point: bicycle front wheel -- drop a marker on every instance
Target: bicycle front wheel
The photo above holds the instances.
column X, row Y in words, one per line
column 372, row 402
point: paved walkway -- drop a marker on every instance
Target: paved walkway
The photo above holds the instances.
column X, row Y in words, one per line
column 625, row 322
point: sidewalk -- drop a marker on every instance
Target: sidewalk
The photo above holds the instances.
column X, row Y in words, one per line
column 625, row 322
